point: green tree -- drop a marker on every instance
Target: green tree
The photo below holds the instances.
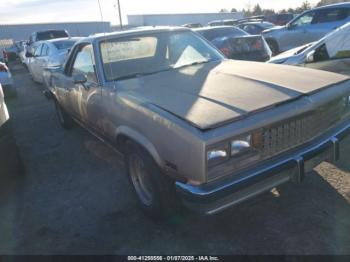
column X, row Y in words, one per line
column 257, row 10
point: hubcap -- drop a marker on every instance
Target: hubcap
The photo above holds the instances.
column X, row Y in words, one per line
column 141, row 180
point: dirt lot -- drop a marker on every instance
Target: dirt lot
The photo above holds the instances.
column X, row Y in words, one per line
column 75, row 199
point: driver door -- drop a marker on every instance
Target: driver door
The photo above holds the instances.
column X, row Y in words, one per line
column 299, row 32
column 85, row 97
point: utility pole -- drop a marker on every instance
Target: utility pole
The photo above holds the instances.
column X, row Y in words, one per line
column 120, row 15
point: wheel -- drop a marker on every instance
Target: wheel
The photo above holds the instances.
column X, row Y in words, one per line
column 273, row 46
column 65, row 120
column 154, row 191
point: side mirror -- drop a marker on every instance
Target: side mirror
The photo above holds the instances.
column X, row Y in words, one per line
column 29, row 54
column 290, row 26
column 310, row 57
column 79, row 79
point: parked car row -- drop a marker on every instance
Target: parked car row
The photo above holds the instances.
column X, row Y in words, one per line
column 195, row 126
column 46, row 54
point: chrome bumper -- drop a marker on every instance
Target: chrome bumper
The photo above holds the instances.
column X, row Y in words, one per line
column 214, row 197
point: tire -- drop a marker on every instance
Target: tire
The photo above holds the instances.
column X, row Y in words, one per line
column 154, row 191
column 65, row 120
column 273, row 46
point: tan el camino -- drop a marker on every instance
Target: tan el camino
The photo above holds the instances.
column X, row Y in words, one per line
column 197, row 128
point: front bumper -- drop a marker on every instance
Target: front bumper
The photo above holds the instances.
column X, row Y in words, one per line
column 214, row 197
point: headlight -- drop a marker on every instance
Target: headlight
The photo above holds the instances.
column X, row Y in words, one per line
column 243, row 148
column 217, row 155
column 241, row 145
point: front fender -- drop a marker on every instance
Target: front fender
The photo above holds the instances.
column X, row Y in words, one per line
column 141, row 140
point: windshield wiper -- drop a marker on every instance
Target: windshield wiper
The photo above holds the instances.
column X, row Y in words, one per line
column 136, row 75
column 196, row 63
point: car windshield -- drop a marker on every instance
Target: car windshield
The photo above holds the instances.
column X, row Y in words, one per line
column 267, row 25
column 41, row 36
column 64, row 44
column 214, row 33
column 128, row 57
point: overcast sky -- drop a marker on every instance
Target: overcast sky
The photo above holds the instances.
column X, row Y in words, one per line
column 37, row 11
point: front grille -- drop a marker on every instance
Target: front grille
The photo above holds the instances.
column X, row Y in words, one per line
column 298, row 130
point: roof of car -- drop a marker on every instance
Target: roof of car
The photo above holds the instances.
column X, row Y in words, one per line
column 345, row 4
column 134, row 31
column 213, row 27
column 51, row 30
column 255, row 23
column 63, row 39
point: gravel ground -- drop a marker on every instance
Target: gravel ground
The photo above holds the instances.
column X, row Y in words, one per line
column 75, row 199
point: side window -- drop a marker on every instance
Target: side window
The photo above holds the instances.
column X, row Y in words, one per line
column 84, row 63
column 338, row 45
column 37, row 51
column 306, row 19
column 321, row 54
column 331, row 15
column 44, row 51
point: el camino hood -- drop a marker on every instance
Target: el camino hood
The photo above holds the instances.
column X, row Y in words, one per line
column 213, row 94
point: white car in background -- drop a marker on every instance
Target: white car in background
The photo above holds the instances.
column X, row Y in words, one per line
column 48, row 54
column 331, row 53
column 6, row 81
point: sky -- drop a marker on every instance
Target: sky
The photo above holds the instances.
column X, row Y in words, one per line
column 39, row 11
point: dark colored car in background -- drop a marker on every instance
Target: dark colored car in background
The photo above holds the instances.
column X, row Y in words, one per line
column 237, row 44
column 280, row 19
column 11, row 163
column 255, row 28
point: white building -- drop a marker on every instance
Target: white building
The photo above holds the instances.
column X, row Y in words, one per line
column 22, row 31
column 179, row 19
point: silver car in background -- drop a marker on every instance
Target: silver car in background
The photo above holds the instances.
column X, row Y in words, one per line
column 331, row 53
column 308, row 27
column 50, row 53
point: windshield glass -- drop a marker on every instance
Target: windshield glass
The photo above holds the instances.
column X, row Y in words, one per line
column 154, row 52
column 51, row 35
column 64, row 44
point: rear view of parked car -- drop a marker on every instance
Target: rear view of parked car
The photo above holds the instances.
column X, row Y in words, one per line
column 51, row 53
column 47, row 35
column 331, row 53
column 308, row 27
column 234, row 43
column 255, row 28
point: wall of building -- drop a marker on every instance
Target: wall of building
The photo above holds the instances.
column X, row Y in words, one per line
column 23, row 31
column 179, row 19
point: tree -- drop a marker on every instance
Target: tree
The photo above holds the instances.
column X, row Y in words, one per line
column 257, row 10
column 223, row 10
column 234, row 10
column 328, row 2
